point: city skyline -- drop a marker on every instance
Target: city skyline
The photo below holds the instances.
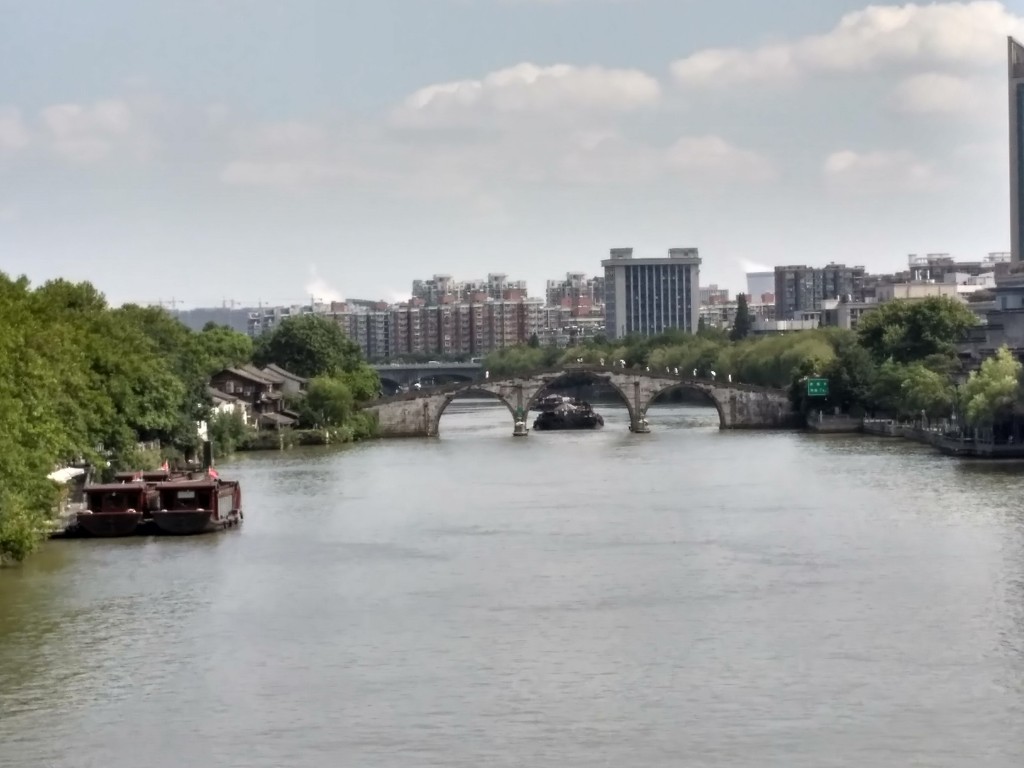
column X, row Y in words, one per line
column 358, row 150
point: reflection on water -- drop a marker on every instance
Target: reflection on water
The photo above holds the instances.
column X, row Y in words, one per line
column 688, row 597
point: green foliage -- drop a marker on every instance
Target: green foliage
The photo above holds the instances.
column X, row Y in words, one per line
column 22, row 528
column 909, row 331
column 993, row 390
column 851, row 374
column 743, row 323
column 900, row 361
column 926, row 391
column 310, row 346
column 82, row 381
column 770, row 361
column 220, row 347
column 331, row 403
column 361, row 426
column 226, row 431
column 534, row 342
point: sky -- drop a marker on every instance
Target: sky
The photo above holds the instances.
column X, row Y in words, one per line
column 247, row 151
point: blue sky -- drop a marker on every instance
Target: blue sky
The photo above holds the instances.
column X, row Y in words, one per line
column 254, row 150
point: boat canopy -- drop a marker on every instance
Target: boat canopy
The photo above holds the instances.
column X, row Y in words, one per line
column 64, row 475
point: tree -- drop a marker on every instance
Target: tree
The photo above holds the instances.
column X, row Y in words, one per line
column 925, row 391
column 850, row 374
column 742, row 325
column 993, row 390
column 887, row 391
column 310, row 346
column 534, row 342
column 221, row 347
column 226, row 431
column 329, row 401
column 908, row 331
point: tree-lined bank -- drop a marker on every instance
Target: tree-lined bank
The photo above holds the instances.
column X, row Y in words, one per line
column 900, row 362
column 81, row 381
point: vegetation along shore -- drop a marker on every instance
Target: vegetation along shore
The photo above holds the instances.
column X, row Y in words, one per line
column 84, row 383
column 901, row 363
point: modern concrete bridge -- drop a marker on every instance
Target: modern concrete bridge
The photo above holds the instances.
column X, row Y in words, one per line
column 407, row 374
column 739, row 406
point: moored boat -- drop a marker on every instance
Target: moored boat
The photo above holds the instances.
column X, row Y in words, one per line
column 187, row 507
column 113, row 509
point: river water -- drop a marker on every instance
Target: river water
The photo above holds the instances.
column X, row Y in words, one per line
column 685, row 598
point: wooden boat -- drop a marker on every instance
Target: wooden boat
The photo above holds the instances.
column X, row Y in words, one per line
column 114, row 509
column 205, row 505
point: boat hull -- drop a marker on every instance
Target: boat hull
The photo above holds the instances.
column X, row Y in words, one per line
column 109, row 524
column 190, row 523
column 567, row 423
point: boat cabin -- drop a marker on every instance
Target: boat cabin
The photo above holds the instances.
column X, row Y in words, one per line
column 188, row 496
column 116, row 497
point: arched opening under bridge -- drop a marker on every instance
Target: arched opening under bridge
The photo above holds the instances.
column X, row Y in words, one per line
column 588, row 387
column 389, row 387
column 478, row 405
column 689, row 404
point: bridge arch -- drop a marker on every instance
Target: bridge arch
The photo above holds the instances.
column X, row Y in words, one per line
column 435, row 427
column 709, row 393
column 591, row 377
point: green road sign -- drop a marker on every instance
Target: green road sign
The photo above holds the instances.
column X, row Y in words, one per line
column 817, row 387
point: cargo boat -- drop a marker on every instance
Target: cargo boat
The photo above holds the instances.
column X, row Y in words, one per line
column 563, row 413
column 187, row 507
column 113, row 509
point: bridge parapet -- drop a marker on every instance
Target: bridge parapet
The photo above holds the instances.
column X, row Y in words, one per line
column 407, row 374
column 739, row 406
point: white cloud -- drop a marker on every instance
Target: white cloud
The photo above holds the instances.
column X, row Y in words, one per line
column 881, row 171
column 935, row 93
column 14, row 134
column 727, row 66
column 482, row 171
column 953, row 33
column 712, row 158
column 85, row 134
column 528, row 88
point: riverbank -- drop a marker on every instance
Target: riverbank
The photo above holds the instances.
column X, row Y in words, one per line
column 281, row 440
column 938, row 437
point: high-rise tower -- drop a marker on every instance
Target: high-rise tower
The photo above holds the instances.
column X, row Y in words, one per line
column 1016, row 84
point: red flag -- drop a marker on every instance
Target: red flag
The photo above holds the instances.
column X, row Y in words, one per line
column 212, row 473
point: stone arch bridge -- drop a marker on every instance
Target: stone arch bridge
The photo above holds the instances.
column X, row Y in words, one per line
column 739, row 406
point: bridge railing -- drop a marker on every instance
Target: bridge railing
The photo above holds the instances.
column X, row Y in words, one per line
column 563, row 370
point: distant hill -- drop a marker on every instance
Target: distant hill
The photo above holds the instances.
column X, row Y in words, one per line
column 238, row 318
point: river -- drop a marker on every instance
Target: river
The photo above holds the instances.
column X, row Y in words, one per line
column 689, row 597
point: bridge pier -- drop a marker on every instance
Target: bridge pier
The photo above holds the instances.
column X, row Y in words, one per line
column 637, row 403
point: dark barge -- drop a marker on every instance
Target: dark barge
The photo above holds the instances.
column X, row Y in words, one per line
column 564, row 413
